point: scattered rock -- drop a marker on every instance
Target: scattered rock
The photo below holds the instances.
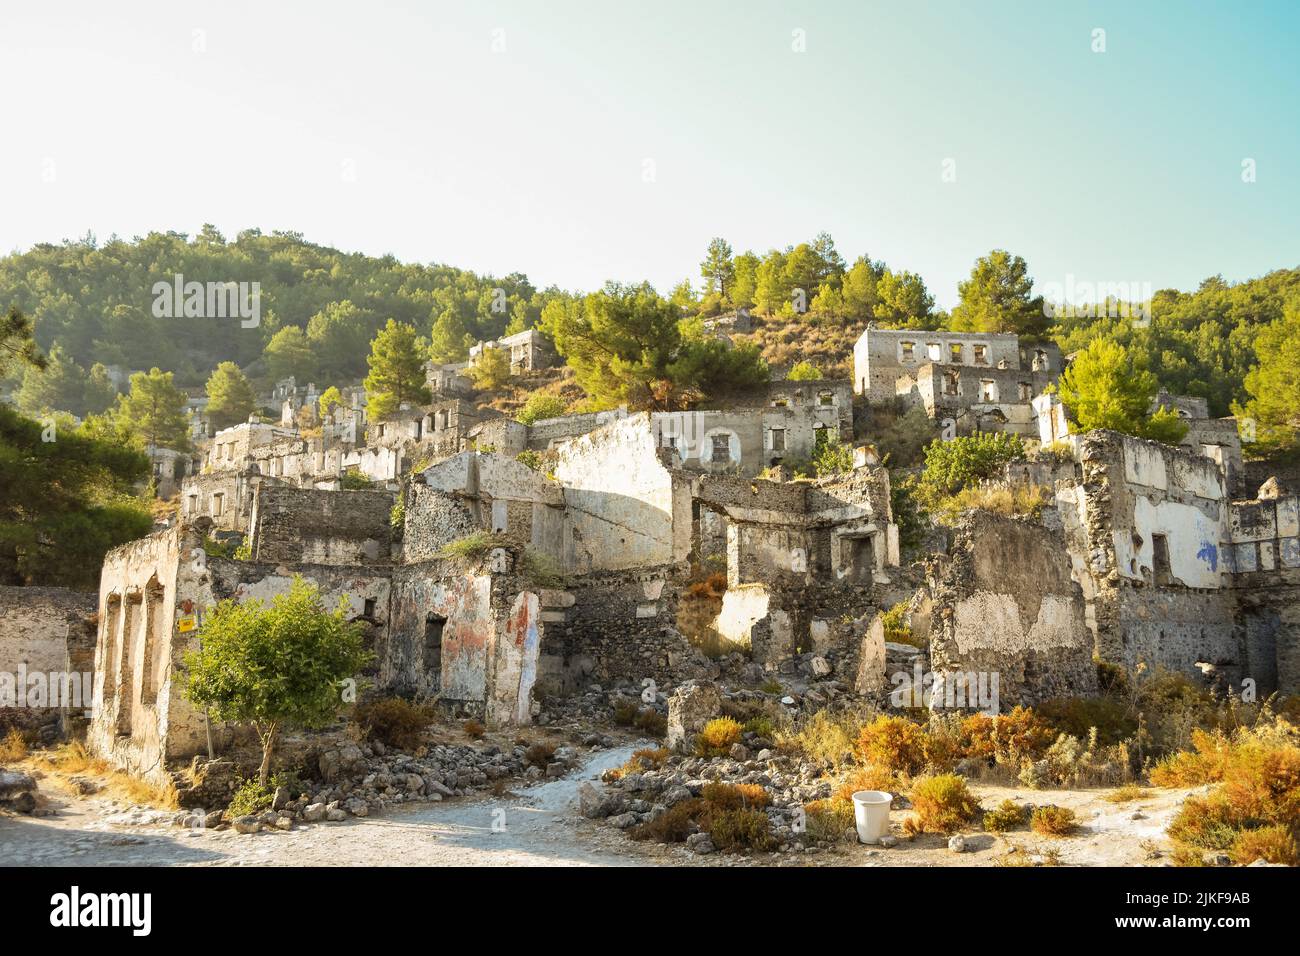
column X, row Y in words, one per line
column 246, row 824
column 595, row 804
column 700, row 843
column 957, row 843
column 690, row 707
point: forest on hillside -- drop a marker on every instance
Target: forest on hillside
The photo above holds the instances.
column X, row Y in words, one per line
column 321, row 309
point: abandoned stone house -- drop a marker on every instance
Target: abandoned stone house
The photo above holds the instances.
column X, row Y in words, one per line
column 979, row 382
column 1144, row 559
column 529, row 350
column 787, row 424
column 883, row 356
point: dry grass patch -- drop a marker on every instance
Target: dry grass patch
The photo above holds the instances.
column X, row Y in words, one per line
column 13, row 747
column 717, row 737
column 1053, row 821
column 74, row 760
column 1253, row 812
column 942, row 803
column 894, row 743
column 1127, row 794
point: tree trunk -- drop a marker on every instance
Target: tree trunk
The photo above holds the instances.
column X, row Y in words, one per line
column 268, row 746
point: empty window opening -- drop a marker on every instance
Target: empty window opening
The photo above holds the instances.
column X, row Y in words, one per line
column 908, row 347
column 954, row 352
column 369, row 608
column 778, row 439
column 981, row 354
column 988, row 390
column 1024, row 391
column 112, row 635
column 1041, row 364
column 935, row 351
column 1162, row 573
column 857, row 557
column 826, row 399
column 153, row 638
column 131, row 639
column 721, row 449
column 433, row 628
column 951, row 382
column 218, row 505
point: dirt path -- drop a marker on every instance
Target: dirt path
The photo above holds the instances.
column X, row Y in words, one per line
column 537, row 825
column 540, row 825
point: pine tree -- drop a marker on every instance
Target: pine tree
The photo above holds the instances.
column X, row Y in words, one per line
column 154, row 410
column 396, row 370
column 230, row 397
column 450, row 340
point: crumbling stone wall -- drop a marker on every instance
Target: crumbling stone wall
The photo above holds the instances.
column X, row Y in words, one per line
column 616, row 625
column 1265, row 558
column 434, row 519
column 1147, row 525
column 1004, row 603
column 154, row 594
column 321, row 527
column 626, row 508
column 47, row 657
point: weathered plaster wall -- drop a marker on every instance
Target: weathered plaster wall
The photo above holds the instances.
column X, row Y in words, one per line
column 1004, row 603
column 1135, row 504
column 625, row 507
column 46, row 631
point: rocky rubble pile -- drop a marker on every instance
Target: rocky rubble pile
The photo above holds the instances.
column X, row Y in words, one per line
column 17, row 791
column 361, row 779
column 629, row 799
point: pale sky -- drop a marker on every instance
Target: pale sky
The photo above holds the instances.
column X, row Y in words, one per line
column 578, row 142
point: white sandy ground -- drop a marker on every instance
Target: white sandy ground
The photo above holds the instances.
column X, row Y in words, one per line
column 540, row 826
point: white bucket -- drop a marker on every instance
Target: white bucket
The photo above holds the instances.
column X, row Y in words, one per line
column 871, row 814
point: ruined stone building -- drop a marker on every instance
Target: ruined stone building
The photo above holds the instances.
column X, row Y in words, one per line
column 529, row 350
column 980, row 382
column 578, row 578
column 1144, row 559
column 785, row 425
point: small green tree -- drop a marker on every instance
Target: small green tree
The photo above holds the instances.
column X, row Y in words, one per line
column 492, row 370
column 804, row 372
column 154, row 410
column 450, row 339
column 1105, row 387
column 998, row 297
column 540, row 406
column 290, row 353
column 962, row 462
column 396, row 370
column 330, row 399
column 718, row 269
column 231, row 398
column 831, row 457
column 277, row 666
